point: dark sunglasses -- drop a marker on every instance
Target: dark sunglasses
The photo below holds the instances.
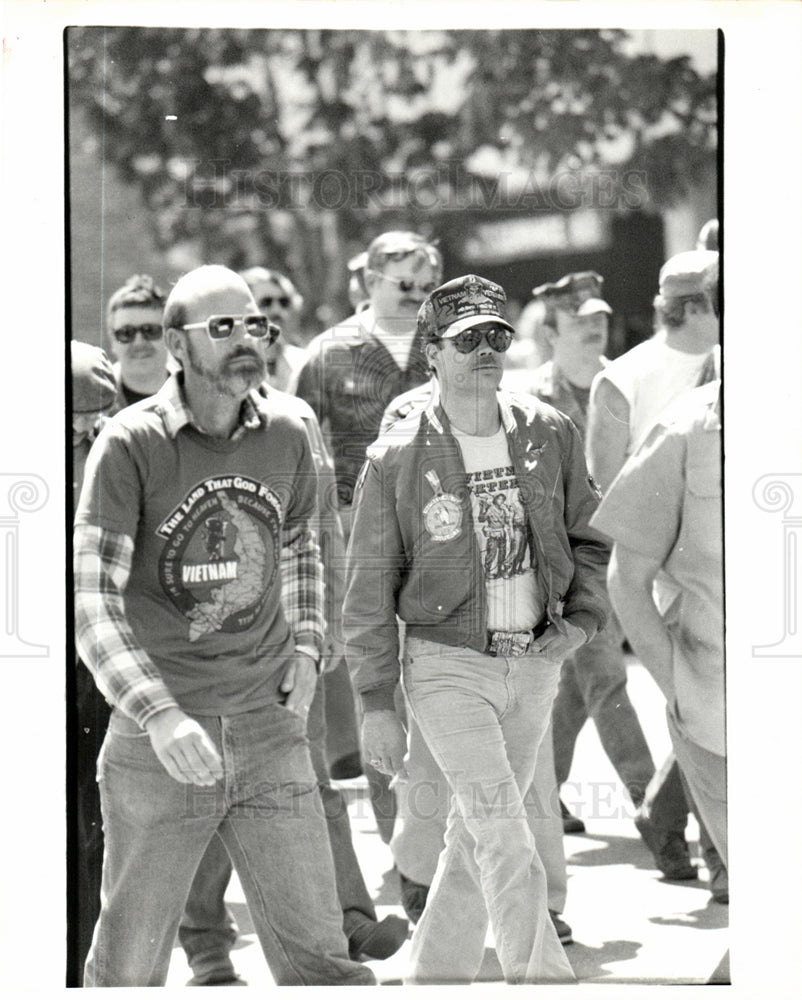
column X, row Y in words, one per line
column 498, row 338
column 221, row 327
column 268, row 300
column 126, row 334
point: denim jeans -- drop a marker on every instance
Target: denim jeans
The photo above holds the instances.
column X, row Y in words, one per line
column 268, row 814
column 484, row 718
column 423, row 804
column 207, row 931
column 593, row 684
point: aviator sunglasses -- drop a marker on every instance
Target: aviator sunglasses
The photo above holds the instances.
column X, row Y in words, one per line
column 221, row 327
column 498, row 338
column 267, row 301
column 126, row 334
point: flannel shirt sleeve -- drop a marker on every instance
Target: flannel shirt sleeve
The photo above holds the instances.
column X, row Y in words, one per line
column 124, row 673
column 302, row 590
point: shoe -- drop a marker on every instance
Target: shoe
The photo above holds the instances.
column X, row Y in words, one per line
column 669, row 849
column 413, row 897
column 377, row 939
column 571, row 823
column 718, row 879
column 564, row 932
column 349, row 766
column 219, row 980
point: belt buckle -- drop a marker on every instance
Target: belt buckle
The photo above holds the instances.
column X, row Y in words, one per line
column 510, row 643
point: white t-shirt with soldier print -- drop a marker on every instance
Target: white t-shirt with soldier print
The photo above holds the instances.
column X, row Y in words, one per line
column 514, row 601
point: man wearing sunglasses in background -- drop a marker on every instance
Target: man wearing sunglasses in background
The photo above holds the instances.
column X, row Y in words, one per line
column 356, row 368
column 281, row 302
column 483, row 646
column 193, row 523
column 359, row 365
column 135, row 339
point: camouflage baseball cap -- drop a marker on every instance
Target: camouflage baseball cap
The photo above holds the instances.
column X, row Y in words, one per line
column 460, row 304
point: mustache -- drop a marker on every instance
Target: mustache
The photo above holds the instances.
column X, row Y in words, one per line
column 245, row 352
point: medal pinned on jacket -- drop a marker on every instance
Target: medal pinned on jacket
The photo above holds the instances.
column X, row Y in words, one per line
column 442, row 515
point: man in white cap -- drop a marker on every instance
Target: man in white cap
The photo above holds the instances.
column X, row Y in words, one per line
column 626, row 400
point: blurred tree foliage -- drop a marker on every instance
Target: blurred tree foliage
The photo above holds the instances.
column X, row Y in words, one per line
column 297, row 146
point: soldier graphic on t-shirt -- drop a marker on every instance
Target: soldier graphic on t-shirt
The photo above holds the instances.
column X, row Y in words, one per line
column 493, row 518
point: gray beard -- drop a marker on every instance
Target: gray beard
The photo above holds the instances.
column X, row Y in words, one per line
column 224, row 382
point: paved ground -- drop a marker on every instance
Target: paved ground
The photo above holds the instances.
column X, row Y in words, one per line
column 629, row 925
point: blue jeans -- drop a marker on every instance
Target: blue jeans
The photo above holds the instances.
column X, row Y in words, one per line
column 484, row 718
column 207, row 931
column 268, row 814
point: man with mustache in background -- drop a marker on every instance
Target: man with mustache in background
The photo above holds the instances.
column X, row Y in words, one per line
column 593, row 681
column 193, row 522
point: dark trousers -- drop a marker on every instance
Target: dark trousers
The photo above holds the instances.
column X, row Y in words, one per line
column 88, row 717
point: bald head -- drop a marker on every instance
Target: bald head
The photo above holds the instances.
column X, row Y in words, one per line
column 209, row 290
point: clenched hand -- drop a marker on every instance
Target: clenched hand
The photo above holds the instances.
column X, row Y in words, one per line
column 184, row 748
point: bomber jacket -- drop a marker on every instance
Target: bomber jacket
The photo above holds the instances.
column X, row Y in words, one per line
column 432, row 580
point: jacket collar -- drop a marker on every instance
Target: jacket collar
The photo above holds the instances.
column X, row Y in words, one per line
column 437, row 417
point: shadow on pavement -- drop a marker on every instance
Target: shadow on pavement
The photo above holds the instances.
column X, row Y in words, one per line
column 712, row 917
column 610, row 850
column 591, row 963
column 389, row 892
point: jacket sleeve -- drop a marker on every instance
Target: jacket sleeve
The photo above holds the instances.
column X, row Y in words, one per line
column 375, row 564
column 585, row 603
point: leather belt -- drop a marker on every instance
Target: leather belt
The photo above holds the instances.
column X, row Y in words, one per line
column 502, row 643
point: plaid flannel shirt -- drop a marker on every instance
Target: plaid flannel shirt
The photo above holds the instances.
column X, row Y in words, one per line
column 124, row 673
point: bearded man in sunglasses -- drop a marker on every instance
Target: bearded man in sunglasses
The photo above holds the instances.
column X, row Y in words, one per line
column 135, row 338
column 482, row 649
column 199, row 612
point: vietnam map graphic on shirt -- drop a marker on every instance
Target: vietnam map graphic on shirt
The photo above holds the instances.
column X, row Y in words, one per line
column 221, row 553
column 504, row 539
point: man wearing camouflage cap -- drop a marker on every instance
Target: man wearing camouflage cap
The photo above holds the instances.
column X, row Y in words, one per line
column 484, row 640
